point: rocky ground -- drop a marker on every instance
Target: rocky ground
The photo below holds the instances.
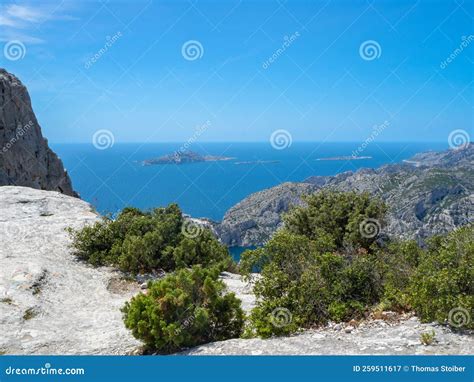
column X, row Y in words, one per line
column 49, row 302
column 380, row 336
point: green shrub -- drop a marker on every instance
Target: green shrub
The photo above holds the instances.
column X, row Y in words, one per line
column 442, row 288
column 321, row 266
column 397, row 264
column 186, row 308
column 139, row 242
column 338, row 217
column 310, row 286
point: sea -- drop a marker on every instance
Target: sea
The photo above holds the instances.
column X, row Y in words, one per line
column 111, row 178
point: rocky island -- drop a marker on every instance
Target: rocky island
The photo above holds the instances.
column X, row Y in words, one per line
column 183, row 157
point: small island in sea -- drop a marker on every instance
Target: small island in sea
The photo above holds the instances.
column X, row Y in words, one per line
column 350, row 157
column 182, row 157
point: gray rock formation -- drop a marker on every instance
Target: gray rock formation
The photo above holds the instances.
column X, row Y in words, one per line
column 254, row 219
column 25, row 158
column 432, row 193
column 371, row 337
column 49, row 302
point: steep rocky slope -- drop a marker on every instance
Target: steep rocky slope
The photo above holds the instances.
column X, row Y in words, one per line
column 432, row 193
column 254, row 219
column 49, row 302
column 25, row 158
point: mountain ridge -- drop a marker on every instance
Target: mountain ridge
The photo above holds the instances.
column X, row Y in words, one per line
column 432, row 193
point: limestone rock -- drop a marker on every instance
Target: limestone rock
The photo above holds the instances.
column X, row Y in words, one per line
column 50, row 303
column 25, row 158
column 373, row 338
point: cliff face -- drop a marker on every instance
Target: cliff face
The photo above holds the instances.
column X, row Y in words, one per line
column 25, row 158
column 433, row 193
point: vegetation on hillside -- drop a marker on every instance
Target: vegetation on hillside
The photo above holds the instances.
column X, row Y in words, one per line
column 331, row 261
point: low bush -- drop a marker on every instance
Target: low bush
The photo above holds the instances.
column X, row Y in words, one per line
column 184, row 309
column 140, row 242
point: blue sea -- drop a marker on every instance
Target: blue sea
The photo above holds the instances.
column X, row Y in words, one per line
column 113, row 178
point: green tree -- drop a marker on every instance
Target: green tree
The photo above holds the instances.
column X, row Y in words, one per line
column 339, row 217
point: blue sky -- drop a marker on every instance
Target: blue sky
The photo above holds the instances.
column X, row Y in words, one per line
column 321, row 86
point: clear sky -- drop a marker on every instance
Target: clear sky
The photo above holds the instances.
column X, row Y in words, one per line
column 345, row 67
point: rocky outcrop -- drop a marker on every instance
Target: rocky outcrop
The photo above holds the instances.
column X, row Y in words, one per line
column 25, row 158
column 49, row 302
column 254, row 219
column 432, row 193
column 371, row 337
